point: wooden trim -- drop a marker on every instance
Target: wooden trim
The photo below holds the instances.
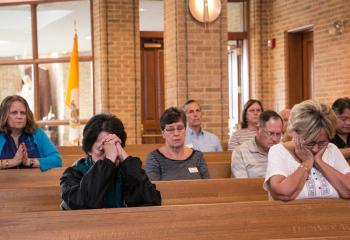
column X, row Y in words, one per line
column 35, row 68
column 151, row 34
column 62, row 60
column 16, row 62
column 236, row 1
column 237, row 35
column 286, row 67
column 44, row 60
column 42, row 123
column 21, row 2
column 92, row 56
column 147, row 45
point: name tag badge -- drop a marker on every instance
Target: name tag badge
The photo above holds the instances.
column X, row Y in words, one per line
column 193, row 169
column 190, row 145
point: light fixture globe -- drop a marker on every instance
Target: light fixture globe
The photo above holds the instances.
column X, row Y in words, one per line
column 205, row 11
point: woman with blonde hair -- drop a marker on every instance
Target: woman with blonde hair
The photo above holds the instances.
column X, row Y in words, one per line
column 309, row 166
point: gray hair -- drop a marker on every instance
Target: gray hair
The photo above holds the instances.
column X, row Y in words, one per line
column 308, row 118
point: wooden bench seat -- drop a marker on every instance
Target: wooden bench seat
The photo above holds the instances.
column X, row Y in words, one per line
column 139, row 150
column 310, row 219
column 173, row 193
column 24, row 178
column 69, row 159
column 30, row 178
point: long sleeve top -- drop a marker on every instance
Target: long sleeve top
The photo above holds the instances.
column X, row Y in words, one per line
column 103, row 185
column 48, row 154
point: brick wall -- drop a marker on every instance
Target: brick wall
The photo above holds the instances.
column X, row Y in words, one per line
column 117, row 67
column 331, row 53
column 196, row 64
column 100, row 55
column 196, row 60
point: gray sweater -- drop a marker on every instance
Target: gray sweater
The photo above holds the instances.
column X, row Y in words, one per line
column 158, row 167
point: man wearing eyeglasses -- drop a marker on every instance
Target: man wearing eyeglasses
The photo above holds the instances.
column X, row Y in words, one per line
column 196, row 137
column 341, row 107
column 249, row 160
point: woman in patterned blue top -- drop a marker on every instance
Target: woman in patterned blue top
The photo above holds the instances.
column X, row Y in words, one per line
column 22, row 143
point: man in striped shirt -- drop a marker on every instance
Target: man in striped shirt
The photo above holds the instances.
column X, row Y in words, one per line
column 249, row 160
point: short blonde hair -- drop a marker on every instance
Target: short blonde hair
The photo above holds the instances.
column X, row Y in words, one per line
column 308, row 118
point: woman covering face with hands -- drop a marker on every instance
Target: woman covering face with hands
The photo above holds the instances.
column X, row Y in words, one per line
column 308, row 166
column 107, row 177
column 108, row 146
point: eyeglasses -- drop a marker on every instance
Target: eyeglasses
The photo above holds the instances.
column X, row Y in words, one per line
column 172, row 130
column 271, row 134
column 319, row 144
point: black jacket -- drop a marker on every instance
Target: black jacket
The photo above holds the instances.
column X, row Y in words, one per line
column 86, row 185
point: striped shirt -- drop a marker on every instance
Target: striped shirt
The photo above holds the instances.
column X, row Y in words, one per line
column 248, row 161
column 240, row 136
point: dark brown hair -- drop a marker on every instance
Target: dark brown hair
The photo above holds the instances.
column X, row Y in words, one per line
column 172, row 115
column 103, row 122
column 340, row 105
column 250, row 102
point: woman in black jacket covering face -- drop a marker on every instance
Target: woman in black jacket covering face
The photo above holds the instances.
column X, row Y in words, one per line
column 107, row 177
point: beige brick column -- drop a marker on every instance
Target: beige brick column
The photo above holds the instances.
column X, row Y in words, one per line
column 117, row 68
column 196, row 64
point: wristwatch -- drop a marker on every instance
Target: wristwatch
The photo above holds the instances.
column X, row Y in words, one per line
column 31, row 162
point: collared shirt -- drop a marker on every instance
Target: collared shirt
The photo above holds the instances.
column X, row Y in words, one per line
column 239, row 137
column 339, row 142
column 203, row 141
column 247, row 161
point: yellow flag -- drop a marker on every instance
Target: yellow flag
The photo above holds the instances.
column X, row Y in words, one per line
column 73, row 80
column 72, row 97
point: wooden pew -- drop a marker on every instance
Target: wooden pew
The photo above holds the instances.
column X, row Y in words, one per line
column 173, row 193
column 139, row 150
column 310, row 219
column 29, row 178
column 219, row 169
column 70, row 150
column 37, row 199
column 24, row 178
column 69, row 159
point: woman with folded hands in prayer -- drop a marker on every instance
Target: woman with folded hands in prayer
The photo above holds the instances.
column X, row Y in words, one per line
column 309, row 166
column 107, row 177
column 22, row 143
column 174, row 160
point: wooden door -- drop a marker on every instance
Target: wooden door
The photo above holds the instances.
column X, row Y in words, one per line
column 152, row 88
column 308, row 64
column 299, row 66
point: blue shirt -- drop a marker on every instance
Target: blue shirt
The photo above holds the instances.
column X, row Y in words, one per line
column 204, row 141
column 10, row 149
column 48, row 154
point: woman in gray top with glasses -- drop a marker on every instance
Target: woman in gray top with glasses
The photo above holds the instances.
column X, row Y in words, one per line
column 174, row 161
